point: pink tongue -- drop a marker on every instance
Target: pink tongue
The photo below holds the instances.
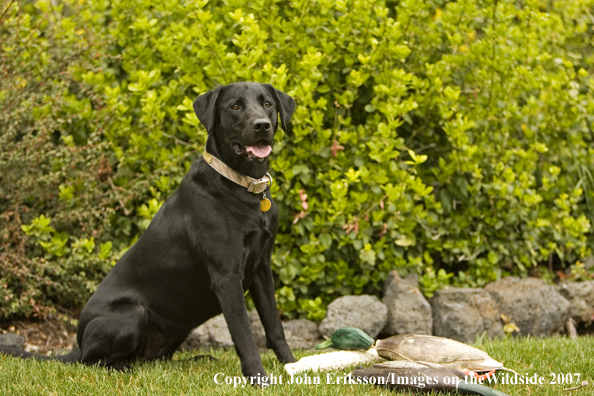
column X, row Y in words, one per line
column 259, row 151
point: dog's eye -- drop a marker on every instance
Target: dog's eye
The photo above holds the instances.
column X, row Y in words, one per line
column 267, row 104
column 235, row 106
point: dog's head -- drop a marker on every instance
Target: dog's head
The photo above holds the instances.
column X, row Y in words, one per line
column 241, row 120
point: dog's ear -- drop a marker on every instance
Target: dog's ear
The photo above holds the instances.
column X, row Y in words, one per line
column 286, row 105
column 205, row 107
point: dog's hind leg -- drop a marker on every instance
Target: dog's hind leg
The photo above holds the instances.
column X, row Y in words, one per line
column 114, row 338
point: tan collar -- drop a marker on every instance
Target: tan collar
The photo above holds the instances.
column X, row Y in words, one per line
column 255, row 186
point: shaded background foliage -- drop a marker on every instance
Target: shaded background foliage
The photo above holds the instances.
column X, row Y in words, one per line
column 449, row 139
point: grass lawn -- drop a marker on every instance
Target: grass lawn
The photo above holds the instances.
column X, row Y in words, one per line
column 548, row 358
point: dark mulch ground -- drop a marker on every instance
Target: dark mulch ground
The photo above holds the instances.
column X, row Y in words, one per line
column 42, row 335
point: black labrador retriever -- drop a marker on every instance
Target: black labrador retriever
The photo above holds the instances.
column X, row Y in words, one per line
column 210, row 242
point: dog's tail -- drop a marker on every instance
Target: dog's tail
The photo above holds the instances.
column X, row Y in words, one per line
column 72, row 357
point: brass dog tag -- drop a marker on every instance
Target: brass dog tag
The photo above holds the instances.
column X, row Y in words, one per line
column 265, row 205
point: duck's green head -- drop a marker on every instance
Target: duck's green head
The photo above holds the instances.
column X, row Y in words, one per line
column 348, row 338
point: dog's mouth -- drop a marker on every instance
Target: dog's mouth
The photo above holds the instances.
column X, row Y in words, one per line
column 259, row 150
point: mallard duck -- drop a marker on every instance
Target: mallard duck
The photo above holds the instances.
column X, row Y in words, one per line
column 356, row 347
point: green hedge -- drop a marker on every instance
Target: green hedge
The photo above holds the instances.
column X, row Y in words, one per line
column 450, row 139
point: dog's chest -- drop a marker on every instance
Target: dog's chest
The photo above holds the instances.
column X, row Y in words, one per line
column 255, row 248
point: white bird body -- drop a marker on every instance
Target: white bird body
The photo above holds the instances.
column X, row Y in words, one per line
column 332, row 361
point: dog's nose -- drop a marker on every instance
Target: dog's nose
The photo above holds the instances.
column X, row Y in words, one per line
column 261, row 125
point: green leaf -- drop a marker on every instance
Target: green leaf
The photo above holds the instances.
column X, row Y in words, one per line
column 105, row 250
column 404, row 240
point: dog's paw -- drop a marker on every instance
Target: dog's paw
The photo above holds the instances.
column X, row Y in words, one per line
column 258, row 380
column 285, row 358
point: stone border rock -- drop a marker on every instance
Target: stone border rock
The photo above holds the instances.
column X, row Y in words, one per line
column 365, row 312
column 409, row 312
column 464, row 314
column 536, row 308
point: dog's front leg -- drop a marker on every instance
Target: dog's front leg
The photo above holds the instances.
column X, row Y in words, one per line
column 230, row 294
column 262, row 292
